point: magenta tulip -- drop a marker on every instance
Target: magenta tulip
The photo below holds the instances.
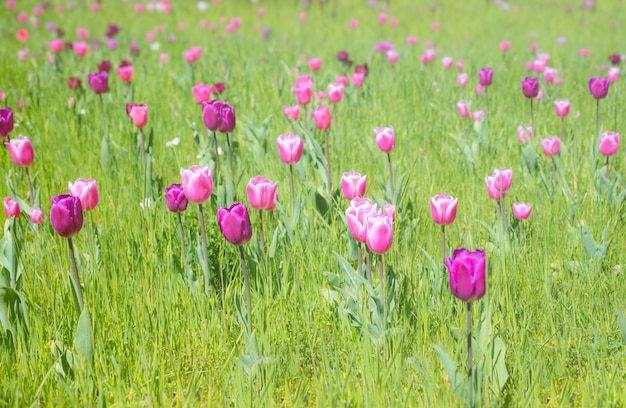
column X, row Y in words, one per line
column 6, row 122
column 499, row 183
column 99, row 82
column 385, row 138
column 21, row 150
column 175, row 198
column 561, row 107
column 598, row 87
column 467, row 274
column 197, row 183
column 321, row 116
column 530, row 87
column 66, row 215
column 353, row 184
column 228, row 123
column 87, row 191
column 485, row 76
column 522, row 211
column 11, row 208
column 379, row 232
column 609, row 143
column 443, row 209
column 36, row 215
column 212, row 114
column 551, row 146
column 234, row 223
column 138, row 113
column 261, row 192
column 290, row 148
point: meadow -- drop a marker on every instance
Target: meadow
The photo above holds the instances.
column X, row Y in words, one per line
column 550, row 329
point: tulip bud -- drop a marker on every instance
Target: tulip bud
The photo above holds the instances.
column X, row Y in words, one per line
column 290, row 148
column 125, row 71
column 551, row 146
column 212, row 114
column 6, row 122
column 11, row 208
column 499, row 183
column 598, row 87
column 385, row 138
column 379, row 232
column 321, row 116
column 138, row 113
column 87, row 191
column 562, row 107
column 66, row 215
column 99, row 82
column 21, row 150
column 175, row 198
column 530, row 87
column 261, row 193
column 467, row 274
column 609, row 143
column 443, row 209
column 353, row 184
column 485, row 76
column 522, row 211
column 197, row 183
column 234, row 223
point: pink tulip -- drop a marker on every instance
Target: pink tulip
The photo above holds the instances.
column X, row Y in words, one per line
column 80, row 48
column 613, row 74
column 478, row 116
column 382, row 18
column 385, row 138
column 540, row 95
column 379, row 232
column 461, row 80
column 551, row 146
column 290, row 148
column 394, row 22
column 356, row 213
column 335, row 93
column 466, row 270
column 36, row 215
column 342, row 80
column 21, row 150
column 524, row 134
column 479, row 89
column 392, row 56
column 149, row 36
column 125, row 71
column 319, row 96
column 261, row 193
column 522, row 211
column 464, row 108
column 11, row 208
column 505, row 46
column 201, row 92
column 499, row 183
column 87, row 191
column 22, row 55
column 357, row 79
column 292, row 112
column 549, row 74
column 56, row 45
column 315, row 64
column 303, row 16
column 562, row 107
column 530, row 65
column 197, row 183
column 539, row 65
column 443, row 209
column 138, row 113
column 389, row 210
column 303, row 91
column 447, row 63
column 609, row 143
column 22, row 17
column 192, row 54
column 82, row 33
column 583, row 52
column 163, row 58
column 353, row 23
column 353, row 184
column 411, row 40
column 321, row 116
column 460, row 64
column 534, row 47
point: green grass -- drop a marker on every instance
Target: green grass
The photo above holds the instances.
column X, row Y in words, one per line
column 159, row 340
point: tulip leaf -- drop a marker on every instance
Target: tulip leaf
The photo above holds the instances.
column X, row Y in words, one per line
column 530, row 158
column 449, row 365
column 589, row 243
column 83, row 339
column 621, row 320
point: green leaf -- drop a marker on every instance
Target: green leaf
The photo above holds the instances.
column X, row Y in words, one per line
column 589, row 243
column 498, row 374
column 449, row 365
column 83, row 339
column 621, row 320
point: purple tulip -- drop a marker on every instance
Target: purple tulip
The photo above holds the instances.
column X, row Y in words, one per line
column 228, row 119
column 467, row 274
column 598, row 87
column 234, row 223
column 99, row 82
column 6, row 122
column 175, row 198
column 485, row 76
column 530, row 87
column 212, row 114
column 66, row 215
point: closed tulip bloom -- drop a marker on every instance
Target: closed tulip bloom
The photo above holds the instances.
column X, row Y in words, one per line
column 561, row 107
column 315, row 64
column 524, row 134
column 36, row 215
column 392, row 56
column 261, row 192
column 212, row 114
column 505, row 46
column 478, row 116
column 99, row 82
column 461, row 80
column 292, row 112
column 598, row 87
column 342, row 80
column 466, row 270
column 356, row 213
column 443, row 209
column 104, row 66
column 175, row 198
column 357, row 79
column 138, row 113
column 499, row 183
column 80, row 48
column 390, row 211
column 353, row 184
column 6, row 122
column 234, row 223
column 11, row 208
column 464, row 108
column 56, row 45
column 379, row 232
column 201, row 92
column 321, row 116
column 21, row 150
column 385, row 138
column 522, row 211
column 303, row 92
column 66, row 215
column 530, row 87
column 197, row 183
column 87, row 191
column 229, row 119
column 290, row 148
column 551, row 146
column 549, row 74
column 335, row 93
column 485, row 76
column 446, row 62
column 609, row 143
column 613, row 74
column 125, row 71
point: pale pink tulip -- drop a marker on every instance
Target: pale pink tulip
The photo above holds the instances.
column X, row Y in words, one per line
column 524, row 134
column 464, row 108
column 551, row 146
column 353, row 184
column 609, row 143
column 521, row 211
column 562, row 107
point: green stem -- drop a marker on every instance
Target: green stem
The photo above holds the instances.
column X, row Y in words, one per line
column 381, row 276
column 443, row 247
column 205, row 256
column 79, row 289
column 293, row 196
column 469, row 352
column 182, row 238
column 261, row 234
column 328, row 186
column 143, row 148
column 391, row 177
column 30, row 189
column 217, row 159
column 247, row 282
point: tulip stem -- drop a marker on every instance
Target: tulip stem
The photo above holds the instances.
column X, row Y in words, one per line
column 205, row 256
column 143, row 148
column 532, row 118
column 293, row 196
column 487, row 100
column 182, row 237
column 104, row 118
column 563, row 128
column 247, row 282
column 469, row 351
column 217, row 159
column 79, row 289
column 608, row 173
column 261, row 234
column 368, row 261
column 597, row 117
column 30, row 188
column 393, row 198
column 443, row 247
column 328, row 186
column 381, row 276
column 359, row 256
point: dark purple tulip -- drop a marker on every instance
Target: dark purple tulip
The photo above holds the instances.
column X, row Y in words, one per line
column 530, row 87
column 112, row 30
column 234, row 222
column 73, row 82
column 175, row 198
column 485, row 76
column 212, row 114
column 466, row 270
column 6, row 122
column 598, row 87
column 228, row 119
column 104, row 66
column 342, row 56
column 66, row 215
column 99, row 82
column 615, row 59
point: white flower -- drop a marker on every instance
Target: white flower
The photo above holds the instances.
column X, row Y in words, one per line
column 174, row 142
column 155, row 46
column 146, row 203
column 83, row 111
column 203, row 6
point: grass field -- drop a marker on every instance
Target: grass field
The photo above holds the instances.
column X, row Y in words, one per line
column 549, row 331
